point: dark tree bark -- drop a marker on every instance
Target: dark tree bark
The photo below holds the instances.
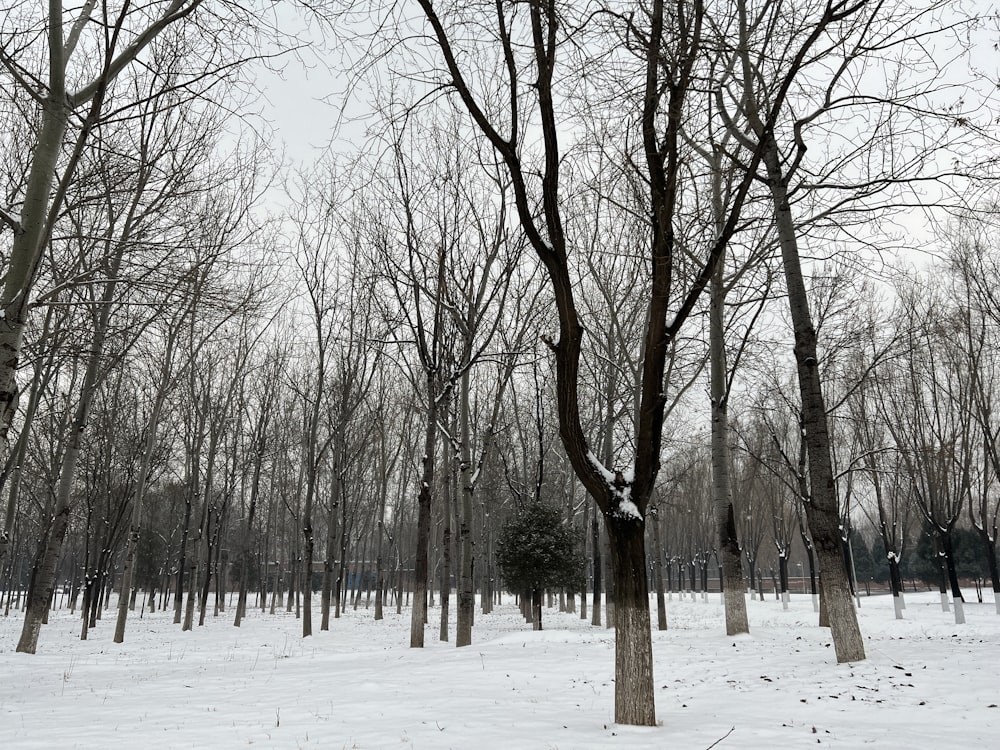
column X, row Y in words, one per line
column 418, row 613
column 661, row 604
column 668, row 61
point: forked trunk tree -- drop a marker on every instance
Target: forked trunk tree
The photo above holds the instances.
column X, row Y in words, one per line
column 196, row 286
column 43, row 578
column 730, row 553
column 317, row 266
column 823, row 508
column 163, row 387
column 666, row 52
column 393, row 433
column 417, row 289
column 448, row 279
column 488, row 307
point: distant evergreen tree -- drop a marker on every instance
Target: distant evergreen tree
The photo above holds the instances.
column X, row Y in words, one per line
column 880, row 562
column 864, row 565
column 968, row 559
column 536, row 551
column 969, row 555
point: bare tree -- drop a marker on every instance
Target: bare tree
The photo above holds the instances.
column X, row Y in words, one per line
column 125, row 34
column 823, row 508
column 317, row 222
column 889, row 509
column 722, row 372
column 929, row 402
column 973, row 262
column 842, row 186
column 665, row 52
column 260, row 413
column 420, row 317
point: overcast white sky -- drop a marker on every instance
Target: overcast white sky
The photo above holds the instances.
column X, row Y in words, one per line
column 306, row 101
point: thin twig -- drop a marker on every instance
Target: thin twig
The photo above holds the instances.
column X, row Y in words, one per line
column 731, row 730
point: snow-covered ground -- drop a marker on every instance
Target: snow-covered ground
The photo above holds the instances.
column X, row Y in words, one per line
column 927, row 683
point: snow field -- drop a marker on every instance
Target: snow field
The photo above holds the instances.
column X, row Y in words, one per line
column 927, row 683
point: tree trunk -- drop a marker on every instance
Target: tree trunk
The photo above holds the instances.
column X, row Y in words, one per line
column 956, row 592
column 896, row 586
column 26, row 249
column 730, row 555
column 340, row 583
column 331, row 557
column 595, row 544
column 535, row 603
column 661, row 604
column 466, row 589
column 308, row 538
column 135, row 525
column 44, row 582
column 811, row 559
column 447, row 488
column 489, row 569
column 380, row 582
column 822, row 510
column 990, row 551
column 583, row 538
column 783, row 578
column 192, row 579
column 361, row 584
column 418, row 612
column 848, row 549
column 609, row 577
column 210, row 516
column 45, row 573
column 399, row 587
column 247, row 530
column 633, row 648
column 13, row 470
